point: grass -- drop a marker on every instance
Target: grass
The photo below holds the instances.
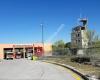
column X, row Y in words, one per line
column 86, row 69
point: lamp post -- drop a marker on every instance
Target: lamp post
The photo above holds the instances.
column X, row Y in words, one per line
column 42, row 28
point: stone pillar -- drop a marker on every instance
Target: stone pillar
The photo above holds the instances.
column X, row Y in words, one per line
column 24, row 51
column 14, row 54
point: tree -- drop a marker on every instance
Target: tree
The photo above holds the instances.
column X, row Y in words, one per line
column 97, row 43
column 59, row 47
column 59, row 44
column 68, row 45
column 92, row 38
column 93, row 44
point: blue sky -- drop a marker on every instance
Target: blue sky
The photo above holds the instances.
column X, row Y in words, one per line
column 20, row 19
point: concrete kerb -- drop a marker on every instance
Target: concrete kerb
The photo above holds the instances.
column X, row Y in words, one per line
column 70, row 68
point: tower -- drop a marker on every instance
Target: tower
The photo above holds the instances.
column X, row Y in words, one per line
column 79, row 38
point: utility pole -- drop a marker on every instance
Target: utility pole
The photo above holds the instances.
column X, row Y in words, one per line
column 42, row 28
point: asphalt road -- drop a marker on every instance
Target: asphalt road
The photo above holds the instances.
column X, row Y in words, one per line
column 34, row 70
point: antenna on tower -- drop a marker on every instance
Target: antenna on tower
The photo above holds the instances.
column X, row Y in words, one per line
column 42, row 30
column 80, row 13
column 80, row 17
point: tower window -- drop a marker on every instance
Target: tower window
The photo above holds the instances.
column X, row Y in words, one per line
column 82, row 28
column 78, row 40
column 78, row 35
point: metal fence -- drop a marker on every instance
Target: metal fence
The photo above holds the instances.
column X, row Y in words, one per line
column 93, row 52
column 61, row 51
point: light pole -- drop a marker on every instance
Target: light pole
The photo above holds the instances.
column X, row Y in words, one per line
column 42, row 28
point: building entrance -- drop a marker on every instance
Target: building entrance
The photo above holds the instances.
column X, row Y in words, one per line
column 8, row 53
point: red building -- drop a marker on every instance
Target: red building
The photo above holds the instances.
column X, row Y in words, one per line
column 24, row 50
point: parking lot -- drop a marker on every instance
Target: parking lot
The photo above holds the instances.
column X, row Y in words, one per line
column 22, row 69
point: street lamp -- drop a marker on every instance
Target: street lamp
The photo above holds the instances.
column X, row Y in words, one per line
column 42, row 28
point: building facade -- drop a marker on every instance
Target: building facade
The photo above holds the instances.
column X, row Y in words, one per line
column 79, row 39
column 25, row 50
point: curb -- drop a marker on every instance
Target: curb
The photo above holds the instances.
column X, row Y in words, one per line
column 70, row 68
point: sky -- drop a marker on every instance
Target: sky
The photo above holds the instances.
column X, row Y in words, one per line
column 20, row 19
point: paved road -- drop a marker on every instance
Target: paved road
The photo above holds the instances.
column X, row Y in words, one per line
column 33, row 70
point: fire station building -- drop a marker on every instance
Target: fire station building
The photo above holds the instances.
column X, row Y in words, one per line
column 17, row 51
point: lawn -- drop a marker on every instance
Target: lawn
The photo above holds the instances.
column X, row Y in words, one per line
column 86, row 69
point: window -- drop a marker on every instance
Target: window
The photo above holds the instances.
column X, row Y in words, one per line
column 78, row 40
column 78, row 34
column 82, row 28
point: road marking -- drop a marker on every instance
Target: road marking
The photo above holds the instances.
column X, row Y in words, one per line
column 77, row 77
column 74, row 75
